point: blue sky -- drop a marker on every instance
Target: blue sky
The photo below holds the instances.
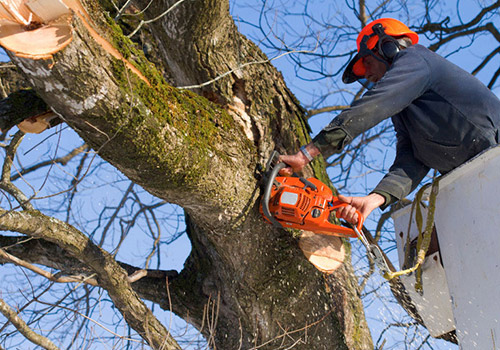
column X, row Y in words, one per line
column 105, row 187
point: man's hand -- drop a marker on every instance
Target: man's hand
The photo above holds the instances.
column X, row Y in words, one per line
column 298, row 160
column 365, row 205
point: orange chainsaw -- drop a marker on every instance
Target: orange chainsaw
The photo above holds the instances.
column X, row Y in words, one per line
column 308, row 204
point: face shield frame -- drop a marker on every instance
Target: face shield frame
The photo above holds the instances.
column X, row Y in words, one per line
column 349, row 76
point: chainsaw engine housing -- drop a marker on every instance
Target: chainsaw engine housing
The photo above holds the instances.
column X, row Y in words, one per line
column 306, row 205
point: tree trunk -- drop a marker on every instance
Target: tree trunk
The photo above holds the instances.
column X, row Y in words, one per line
column 201, row 152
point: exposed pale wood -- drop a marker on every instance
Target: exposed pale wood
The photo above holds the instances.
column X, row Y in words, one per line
column 48, row 10
column 326, row 253
column 36, row 124
column 40, row 43
column 18, row 11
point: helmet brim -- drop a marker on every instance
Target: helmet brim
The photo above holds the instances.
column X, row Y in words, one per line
column 354, row 71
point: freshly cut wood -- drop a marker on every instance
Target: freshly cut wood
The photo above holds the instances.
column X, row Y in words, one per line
column 16, row 10
column 48, row 10
column 5, row 14
column 34, row 29
column 326, row 253
column 40, row 43
column 36, row 124
column 37, row 29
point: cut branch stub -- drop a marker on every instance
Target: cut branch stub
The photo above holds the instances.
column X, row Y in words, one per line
column 326, row 253
column 35, row 29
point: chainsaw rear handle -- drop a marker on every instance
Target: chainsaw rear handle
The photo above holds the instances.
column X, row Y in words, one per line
column 339, row 204
column 267, row 194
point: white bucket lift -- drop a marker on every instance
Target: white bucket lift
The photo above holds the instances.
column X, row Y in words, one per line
column 464, row 292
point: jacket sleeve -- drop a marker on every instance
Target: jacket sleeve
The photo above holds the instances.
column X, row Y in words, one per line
column 406, row 172
column 407, row 79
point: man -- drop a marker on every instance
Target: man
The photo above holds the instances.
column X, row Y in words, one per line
column 443, row 116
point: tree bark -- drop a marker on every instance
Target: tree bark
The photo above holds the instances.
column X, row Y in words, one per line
column 201, row 153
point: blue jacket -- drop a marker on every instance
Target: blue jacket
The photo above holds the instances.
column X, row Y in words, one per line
column 442, row 115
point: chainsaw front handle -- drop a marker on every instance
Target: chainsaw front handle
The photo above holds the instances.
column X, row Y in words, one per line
column 267, row 194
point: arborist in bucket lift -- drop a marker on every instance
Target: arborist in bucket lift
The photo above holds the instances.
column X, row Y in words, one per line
column 443, row 116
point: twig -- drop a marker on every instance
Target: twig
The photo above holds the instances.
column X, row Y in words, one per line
column 61, row 160
column 154, row 19
column 120, row 11
column 93, row 321
column 137, row 275
column 51, row 277
column 132, row 14
column 239, row 68
column 24, row 329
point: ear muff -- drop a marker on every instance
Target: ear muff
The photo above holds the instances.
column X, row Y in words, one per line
column 388, row 47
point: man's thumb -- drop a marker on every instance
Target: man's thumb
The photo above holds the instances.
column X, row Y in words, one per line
column 345, row 199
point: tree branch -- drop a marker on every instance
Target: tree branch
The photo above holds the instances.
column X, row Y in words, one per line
column 109, row 274
column 24, row 329
column 61, row 160
column 148, row 283
column 18, row 106
column 5, row 183
column 440, row 27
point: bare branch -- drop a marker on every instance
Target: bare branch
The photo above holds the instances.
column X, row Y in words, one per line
column 64, row 279
column 61, row 160
column 313, row 112
column 24, row 329
column 441, row 27
column 109, row 274
column 156, row 18
column 485, row 61
column 5, row 183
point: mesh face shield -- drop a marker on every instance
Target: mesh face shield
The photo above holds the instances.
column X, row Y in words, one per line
column 355, row 70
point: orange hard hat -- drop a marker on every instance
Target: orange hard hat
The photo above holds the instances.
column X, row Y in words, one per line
column 392, row 27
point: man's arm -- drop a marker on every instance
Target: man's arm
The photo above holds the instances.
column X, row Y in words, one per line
column 403, row 177
column 332, row 143
column 406, row 172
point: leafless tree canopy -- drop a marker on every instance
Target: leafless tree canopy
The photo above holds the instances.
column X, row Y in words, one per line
column 161, row 113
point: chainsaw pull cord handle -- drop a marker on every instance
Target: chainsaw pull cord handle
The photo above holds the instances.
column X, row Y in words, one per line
column 267, row 194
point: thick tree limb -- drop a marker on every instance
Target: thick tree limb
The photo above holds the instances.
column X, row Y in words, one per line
column 18, row 106
column 189, row 151
column 64, row 279
column 41, row 252
column 108, row 273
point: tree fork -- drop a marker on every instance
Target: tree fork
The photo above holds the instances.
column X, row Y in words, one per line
column 189, row 151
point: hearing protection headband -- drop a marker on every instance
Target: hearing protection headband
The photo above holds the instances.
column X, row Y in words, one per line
column 387, row 46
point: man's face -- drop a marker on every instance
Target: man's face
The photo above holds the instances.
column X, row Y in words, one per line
column 375, row 69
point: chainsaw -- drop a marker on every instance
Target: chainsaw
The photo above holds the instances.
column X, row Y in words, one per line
column 308, row 204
